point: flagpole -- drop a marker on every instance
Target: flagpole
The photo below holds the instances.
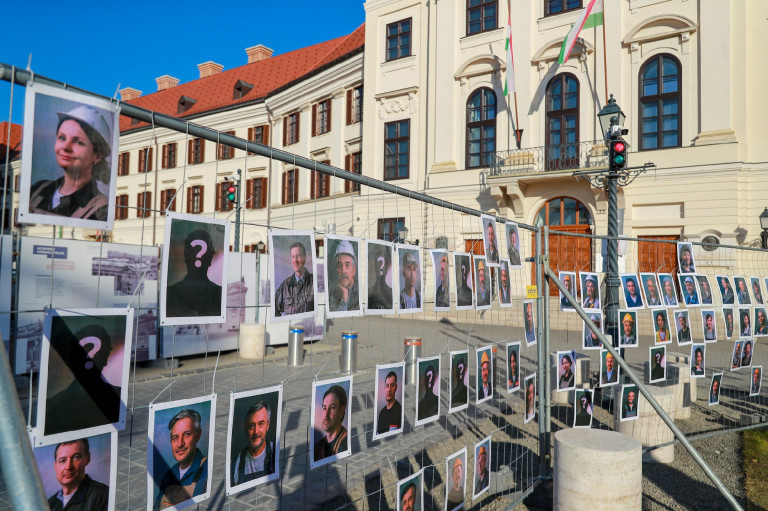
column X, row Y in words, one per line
column 518, row 131
column 605, row 59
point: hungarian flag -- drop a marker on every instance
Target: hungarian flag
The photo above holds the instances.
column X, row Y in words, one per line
column 509, row 87
column 591, row 16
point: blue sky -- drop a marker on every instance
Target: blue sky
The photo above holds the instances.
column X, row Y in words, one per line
column 95, row 47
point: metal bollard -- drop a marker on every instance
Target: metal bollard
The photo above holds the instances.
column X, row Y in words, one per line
column 411, row 351
column 296, row 346
column 348, row 351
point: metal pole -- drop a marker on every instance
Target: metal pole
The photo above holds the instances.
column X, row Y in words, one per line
column 627, row 370
column 237, row 212
column 613, row 281
column 542, row 364
column 16, row 457
column 547, row 382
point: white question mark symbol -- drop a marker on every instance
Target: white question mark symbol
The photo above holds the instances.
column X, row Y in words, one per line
column 203, row 247
column 96, row 342
column 381, row 260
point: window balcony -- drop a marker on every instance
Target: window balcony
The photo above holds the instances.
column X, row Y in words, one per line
column 560, row 157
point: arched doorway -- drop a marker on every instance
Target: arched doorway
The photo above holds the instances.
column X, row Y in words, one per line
column 567, row 253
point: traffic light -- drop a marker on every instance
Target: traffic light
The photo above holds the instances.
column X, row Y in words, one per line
column 231, row 192
column 618, row 154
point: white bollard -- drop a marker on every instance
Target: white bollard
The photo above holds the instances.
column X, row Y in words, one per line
column 252, row 340
column 597, row 469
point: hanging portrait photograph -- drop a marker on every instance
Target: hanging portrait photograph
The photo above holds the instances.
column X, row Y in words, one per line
column 632, row 296
column 456, row 475
column 529, row 323
column 663, row 334
column 727, row 295
column 482, row 283
column 428, row 396
column 410, row 492
column 729, row 322
column 505, row 285
column 331, row 412
column 490, row 240
column 568, row 278
column 180, row 452
column 462, row 264
column 388, row 398
column 411, row 292
column 747, row 352
column 657, row 368
column 343, row 277
column 668, row 291
column 84, row 369
column 628, row 335
column 609, row 370
column 566, row 367
column 757, row 290
column 745, row 322
column 513, row 366
column 513, row 245
column 482, row 479
column 590, row 291
column 459, row 381
column 442, row 279
column 761, row 322
column 582, row 409
column 530, row 398
column 689, row 290
column 698, row 360
column 194, row 270
column 291, row 269
column 253, row 438
column 756, row 379
column 709, row 325
column 705, row 290
column 714, row 389
column 742, row 291
column 590, row 340
column 380, row 280
column 81, row 469
column 69, row 161
column 685, row 261
column 484, row 374
column 736, row 357
column 682, row 327
column 649, row 283
column 630, row 396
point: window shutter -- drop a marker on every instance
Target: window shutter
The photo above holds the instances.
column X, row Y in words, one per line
column 330, row 103
column 120, row 163
column 313, row 186
column 314, row 119
column 162, row 201
column 219, row 193
column 202, row 199
column 265, row 135
column 298, row 126
column 285, row 191
column 148, row 203
column 349, row 106
column 202, row 150
column 263, row 202
column 189, row 200
column 149, row 161
column 285, row 131
column 295, row 185
column 139, row 204
column 165, row 156
column 190, row 150
column 250, row 200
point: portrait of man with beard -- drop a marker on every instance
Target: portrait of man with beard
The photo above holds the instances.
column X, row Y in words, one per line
column 329, row 434
column 343, row 277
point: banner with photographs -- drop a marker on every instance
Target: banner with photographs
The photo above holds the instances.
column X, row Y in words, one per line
column 292, row 256
column 253, row 438
column 342, row 277
column 82, row 274
column 81, row 466
column 83, row 373
column 194, row 269
column 177, row 472
column 69, row 160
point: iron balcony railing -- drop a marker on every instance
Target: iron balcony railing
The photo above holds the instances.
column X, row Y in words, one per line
column 573, row 156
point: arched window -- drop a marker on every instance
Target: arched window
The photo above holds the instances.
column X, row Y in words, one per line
column 481, row 128
column 660, row 101
column 563, row 122
column 563, row 211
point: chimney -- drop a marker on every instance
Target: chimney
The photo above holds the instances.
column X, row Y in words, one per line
column 129, row 93
column 166, row 82
column 258, row 53
column 209, row 68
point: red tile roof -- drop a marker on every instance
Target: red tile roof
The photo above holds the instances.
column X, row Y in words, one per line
column 267, row 76
column 15, row 141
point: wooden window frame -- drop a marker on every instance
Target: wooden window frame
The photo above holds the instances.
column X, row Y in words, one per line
column 353, row 163
column 165, row 196
column 258, row 134
column 196, row 199
column 121, row 207
column 291, row 127
column 170, row 155
column 144, row 204
column 485, row 157
column 355, row 105
column 256, row 193
column 290, row 193
column 393, row 223
column 196, row 151
column 321, row 117
column 145, row 163
column 482, row 6
column 123, row 163
column 549, row 3
column 225, row 152
column 321, row 183
column 659, row 100
column 394, row 41
column 397, row 140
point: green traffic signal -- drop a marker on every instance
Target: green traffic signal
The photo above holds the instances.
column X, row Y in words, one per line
column 619, row 159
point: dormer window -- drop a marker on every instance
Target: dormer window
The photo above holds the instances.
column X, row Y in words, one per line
column 241, row 89
column 185, row 103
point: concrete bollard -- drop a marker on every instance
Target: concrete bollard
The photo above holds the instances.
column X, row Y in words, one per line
column 597, row 469
column 348, row 351
column 581, row 376
column 411, row 351
column 296, row 346
column 648, row 428
column 252, row 340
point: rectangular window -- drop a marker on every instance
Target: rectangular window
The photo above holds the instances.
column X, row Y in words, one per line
column 145, row 160
column 121, row 207
column 399, row 39
column 167, row 200
column 290, row 186
column 481, row 16
column 321, row 183
column 389, row 229
column 291, row 129
column 169, row 155
column 196, row 152
column 396, row 149
column 144, row 204
column 226, row 152
column 355, row 105
column 195, row 199
column 123, row 162
column 321, row 117
column 258, row 134
column 256, row 193
column 222, row 202
column 353, row 163
column 558, row 6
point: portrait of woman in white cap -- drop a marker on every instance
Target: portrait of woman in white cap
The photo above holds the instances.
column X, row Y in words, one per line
column 68, row 176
